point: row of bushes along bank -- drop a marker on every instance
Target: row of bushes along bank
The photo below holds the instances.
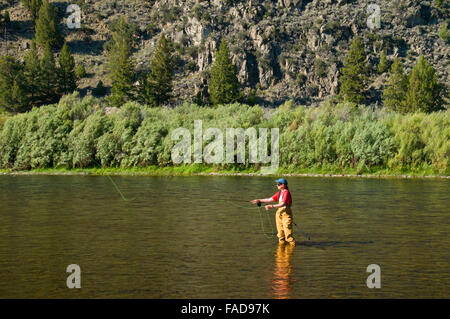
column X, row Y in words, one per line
column 80, row 133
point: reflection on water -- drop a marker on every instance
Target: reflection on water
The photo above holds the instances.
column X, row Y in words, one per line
column 282, row 282
column 180, row 239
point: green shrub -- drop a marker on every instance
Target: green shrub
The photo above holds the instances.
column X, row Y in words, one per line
column 443, row 33
column 344, row 152
column 372, row 144
column 36, row 139
column 77, row 109
column 439, row 3
column 301, row 79
column 84, row 138
column 148, row 143
column 115, row 146
column 320, row 68
column 11, row 138
column 3, row 119
column 422, row 140
column 436, row 137
column 80, row 71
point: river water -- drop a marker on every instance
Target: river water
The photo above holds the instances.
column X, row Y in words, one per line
column 195, row 237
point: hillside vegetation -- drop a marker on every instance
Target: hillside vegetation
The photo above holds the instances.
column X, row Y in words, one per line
column 281, row 49
column 79, row 133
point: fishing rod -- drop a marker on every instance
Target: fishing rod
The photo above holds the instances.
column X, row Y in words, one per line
column 117, row 187
column 118, row 190
column 272, row 234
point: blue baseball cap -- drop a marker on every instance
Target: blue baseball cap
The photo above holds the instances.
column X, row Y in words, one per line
column 281, row 181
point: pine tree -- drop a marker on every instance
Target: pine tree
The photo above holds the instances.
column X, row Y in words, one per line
column 19, row 100
column 383, row 66
column 121, row 29
column 144, row 91
column 121, row 69
column 48, row 74
column 158, row 85
column 394, row 94
column 121, row 66
column 425, row 93
column 5, row 18
column 223, row 85
column 33, row 6
column 47, row 29
column 32, row 73
column 66, row 72
column 13, row 97
column 354, row 73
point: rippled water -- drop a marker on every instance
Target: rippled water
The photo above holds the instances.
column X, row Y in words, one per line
column 187, row 237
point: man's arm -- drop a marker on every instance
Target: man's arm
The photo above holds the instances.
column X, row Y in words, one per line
column 277, row 205
column 263, row 200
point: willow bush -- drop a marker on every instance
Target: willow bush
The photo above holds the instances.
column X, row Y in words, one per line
column 421, row 140
column 82, row 133
column 3, row 119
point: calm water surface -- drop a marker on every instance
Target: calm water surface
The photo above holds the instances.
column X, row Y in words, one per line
column 187, row 237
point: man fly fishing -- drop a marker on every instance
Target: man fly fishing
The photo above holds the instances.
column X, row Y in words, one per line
column 283, row 216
